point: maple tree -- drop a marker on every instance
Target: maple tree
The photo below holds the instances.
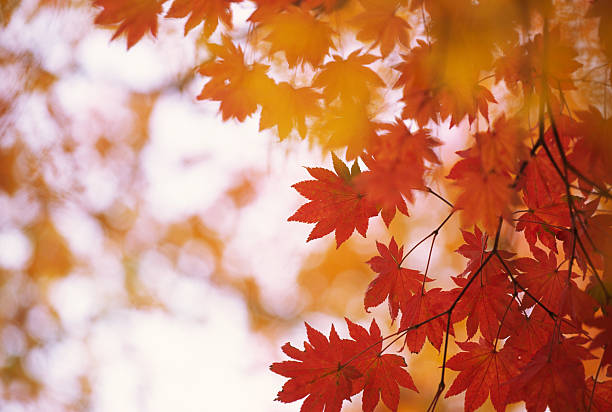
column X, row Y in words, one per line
column 376, row 82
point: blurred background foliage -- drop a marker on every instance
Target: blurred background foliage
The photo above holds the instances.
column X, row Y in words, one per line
column 91, row 200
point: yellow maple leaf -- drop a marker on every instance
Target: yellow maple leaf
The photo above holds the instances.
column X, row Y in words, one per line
column 299, row 35
column 287, row 108
column 348, row 79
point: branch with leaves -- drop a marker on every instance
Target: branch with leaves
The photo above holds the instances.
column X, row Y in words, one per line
column 331, row 71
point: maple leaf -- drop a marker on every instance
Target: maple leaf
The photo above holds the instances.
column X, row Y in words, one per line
column 420, row 307
column 474, row 249
column 553, row 287
column 501, row 147
column 542, row 278
column 484, row 303
column 239, row 87
column 397, row 166
column 287, row 34
column 418, row 84
column 528, row 333
column 211, row 12
column 485, row 196
column 554, row 377
column 458, row 103
column 393, row 282
column 602, row 397
column 334, row 204
column 603, row 10
column 483, row 370
column 383, row 374
column 380, row 24
column 540, row 183
column 267, row 8
column 427, row 94
column 347, row 125
column 592, row 152
column 592, row 229
column 542, row 223
column 135, row 17
column 604, row 337
column 287, row 108
column 525, row 63
column 318, row 372
column 348, row 79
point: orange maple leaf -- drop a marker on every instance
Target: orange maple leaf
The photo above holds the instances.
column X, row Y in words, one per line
column 211, row 12
column 287, row 108
column 134, row 17
column 525, row 63
column 379, row 24
column 239, row 87
column 299, row 35
column 427, row 94
column 502, row 147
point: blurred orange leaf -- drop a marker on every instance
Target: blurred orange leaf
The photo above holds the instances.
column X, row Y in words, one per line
column 134, row 17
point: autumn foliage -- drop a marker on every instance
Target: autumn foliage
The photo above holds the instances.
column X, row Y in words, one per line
column 525, row 86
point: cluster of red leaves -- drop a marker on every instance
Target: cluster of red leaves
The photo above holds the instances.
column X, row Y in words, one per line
column 532, row 318
column 328, row 371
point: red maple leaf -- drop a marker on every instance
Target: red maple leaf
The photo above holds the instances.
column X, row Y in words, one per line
column 484, row 303
column 421, row 307
column 528, row 333
column 485, row 194
column 394, row 282
column 603, row 339
column 135, row 17
column 418, row 83
column 334, row 204
column 553, row 287
column 540, row 183
column 592, row 153
column 554, row 377
column 382, row 374
column 602, row 397
column 319, row 372
column 484, row 370
column 543, row 223
column 475, row 251
column 397, row 166
column 501, row 147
